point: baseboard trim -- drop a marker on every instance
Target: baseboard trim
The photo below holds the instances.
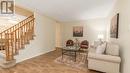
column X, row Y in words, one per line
column 33, row 56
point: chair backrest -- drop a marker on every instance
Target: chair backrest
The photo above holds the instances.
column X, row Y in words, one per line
column 69, row 43
column 84, row 44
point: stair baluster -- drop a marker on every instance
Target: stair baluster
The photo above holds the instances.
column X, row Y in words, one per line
column 16, row 37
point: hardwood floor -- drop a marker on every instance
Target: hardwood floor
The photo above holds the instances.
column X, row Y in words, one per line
column 43, row 64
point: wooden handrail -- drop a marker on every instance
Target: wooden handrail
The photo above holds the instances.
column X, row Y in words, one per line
column 17, row 24
column 16, row 37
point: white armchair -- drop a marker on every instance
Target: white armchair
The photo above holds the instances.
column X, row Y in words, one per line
column 108, row 62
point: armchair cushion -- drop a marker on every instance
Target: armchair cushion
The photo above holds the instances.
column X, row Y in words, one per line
column 107, row 58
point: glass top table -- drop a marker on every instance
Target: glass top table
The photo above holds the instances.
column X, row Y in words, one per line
column 70, row 51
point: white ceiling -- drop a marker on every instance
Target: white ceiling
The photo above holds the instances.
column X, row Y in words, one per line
column 70, row 10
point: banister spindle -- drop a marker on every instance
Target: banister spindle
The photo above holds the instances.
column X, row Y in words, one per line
column 17, row 36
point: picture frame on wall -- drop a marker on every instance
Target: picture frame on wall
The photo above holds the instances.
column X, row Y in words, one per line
column 77, row 31
column 114, row 26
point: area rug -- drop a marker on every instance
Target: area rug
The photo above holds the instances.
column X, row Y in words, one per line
column 80, row 63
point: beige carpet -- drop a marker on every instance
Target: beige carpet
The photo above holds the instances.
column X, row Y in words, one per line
column 80, row 63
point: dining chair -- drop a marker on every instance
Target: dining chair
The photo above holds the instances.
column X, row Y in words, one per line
column 69, row 43
column 84, row 46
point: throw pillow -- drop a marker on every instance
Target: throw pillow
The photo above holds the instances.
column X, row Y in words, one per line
column 97, row 43
column 112, row 49
column 101, row 49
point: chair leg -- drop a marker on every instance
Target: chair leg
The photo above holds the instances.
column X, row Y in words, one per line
column 62, row 54
column 86, row 56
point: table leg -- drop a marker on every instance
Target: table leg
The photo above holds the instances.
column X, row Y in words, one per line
column 75, row 56
column 62, row 54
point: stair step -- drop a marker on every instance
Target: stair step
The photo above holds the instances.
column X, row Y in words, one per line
column 7, row 64
column 2, row 52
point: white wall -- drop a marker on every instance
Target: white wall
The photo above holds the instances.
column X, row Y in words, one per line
column 58, row 34
column 45, row 30
column 91, row 29
column 122, row 6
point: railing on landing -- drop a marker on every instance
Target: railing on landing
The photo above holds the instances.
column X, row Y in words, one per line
column 16, row 37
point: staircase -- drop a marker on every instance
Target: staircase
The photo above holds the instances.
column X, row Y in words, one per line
column 15, row 38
